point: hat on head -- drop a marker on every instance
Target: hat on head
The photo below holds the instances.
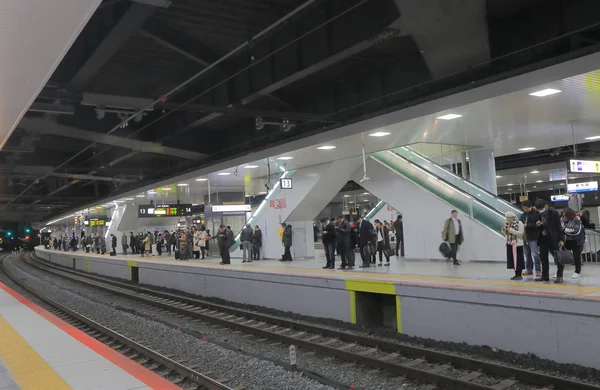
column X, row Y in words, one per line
column 510, row 214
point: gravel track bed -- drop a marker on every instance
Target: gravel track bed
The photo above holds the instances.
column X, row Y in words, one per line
column 241, row 370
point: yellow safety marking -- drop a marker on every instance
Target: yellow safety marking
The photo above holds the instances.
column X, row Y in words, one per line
column 88, row 264
column 132, row 263
column 27, row 367
column 398, row 314
column 371, row 286
column 352, row 307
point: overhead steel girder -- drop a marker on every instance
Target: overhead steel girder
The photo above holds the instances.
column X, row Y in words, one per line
column 37, row 170
column 49, row 108
column 41, row 126
column 129, row 23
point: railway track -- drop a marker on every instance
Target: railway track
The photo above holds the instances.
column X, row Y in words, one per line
column 446, row 370
column 176, row 372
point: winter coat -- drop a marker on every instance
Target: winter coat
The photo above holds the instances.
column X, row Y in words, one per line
column 515, row 232
column 329, row 233
column 257, row 238
column 146, row 242
column 342, row 233
column 384, row 234
column 450, row 235
column 287, row 236
column 132, row 241
column 114, row 241
column 574, row 231
column 196, row 241
column 203, row 235
column 124, row 240
column 399, row 229
column 529, row 220
column 246, row 234
column 552, row 230
column 365, row 233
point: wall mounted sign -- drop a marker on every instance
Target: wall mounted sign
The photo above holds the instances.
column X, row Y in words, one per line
column 228, row 208
column 589, row 186
column 584, row 166
column 280, row 203
column 164, row 210
column 286, row 184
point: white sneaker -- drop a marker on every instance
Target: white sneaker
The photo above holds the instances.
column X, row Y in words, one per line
column 554, row 276
column 575, row 276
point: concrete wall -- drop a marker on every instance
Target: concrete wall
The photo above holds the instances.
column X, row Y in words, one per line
column 424, row 215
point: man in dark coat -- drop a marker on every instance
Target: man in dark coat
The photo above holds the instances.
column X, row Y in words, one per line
column 132, row 245
column 113, row 243
column 256, row 243
column 328, row 233
column 246, row 243
column 530, row 217
column 342, row 236
column 286, row 241
column 551, row 236
column 224, row 240
column 365, row 236
column 399, row 231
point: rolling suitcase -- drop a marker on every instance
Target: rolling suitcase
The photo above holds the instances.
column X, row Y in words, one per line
column 177, row 254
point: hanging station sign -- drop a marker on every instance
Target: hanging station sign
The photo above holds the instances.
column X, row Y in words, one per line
column 94, row 222
column 584, row 166
column 589, row 186
column 559, row 198
column 231, row 208
column 164, row 210
column 286, row 184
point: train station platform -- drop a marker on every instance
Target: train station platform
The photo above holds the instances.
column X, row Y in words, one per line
column 40, row 351
column 475, row 303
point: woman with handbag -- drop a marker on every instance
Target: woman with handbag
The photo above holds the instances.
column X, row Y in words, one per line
column 514, row 230
column 575, row 237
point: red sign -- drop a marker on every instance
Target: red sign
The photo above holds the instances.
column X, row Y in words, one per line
column 278, row 203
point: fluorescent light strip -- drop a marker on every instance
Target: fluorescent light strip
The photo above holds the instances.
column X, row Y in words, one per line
column 201, row 179
column 182, row 185
column 593, row 138
column 379, row 134
column 285, row 158
column 326, row 147
column 223, row 174
column 250, row 166
column 545, row 92
column 526, row 149
column 448, row 117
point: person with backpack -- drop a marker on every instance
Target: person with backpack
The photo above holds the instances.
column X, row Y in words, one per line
column 453, row 234
column 574, row 241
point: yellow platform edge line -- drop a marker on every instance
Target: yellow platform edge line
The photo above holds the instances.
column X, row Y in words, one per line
column 27, row 367
column 352, row 306
column 371, row 286
column 132, row 263
column 398, row 314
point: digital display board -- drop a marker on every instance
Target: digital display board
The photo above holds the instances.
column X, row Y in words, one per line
column 164, row 210
column 584, row 166
column 590, row 186
column 559, row 198
column 92, row 222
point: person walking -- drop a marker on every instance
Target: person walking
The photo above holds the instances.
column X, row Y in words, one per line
column 514, row 231
column 342, row 237
column 453, row 234
column 551, row 236
column 399, row 231
column 383, row 242
column 328, row 237
column 529, row 218
column 286, row 241
column 365, row 236
column 256, row 242
column 574, row 241
column 246, row 241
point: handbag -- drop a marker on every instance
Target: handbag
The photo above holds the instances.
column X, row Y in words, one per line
column 564, row 257
column 368, row 250
column 445, row 249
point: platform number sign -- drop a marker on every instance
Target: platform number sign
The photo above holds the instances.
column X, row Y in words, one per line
column 286, row 184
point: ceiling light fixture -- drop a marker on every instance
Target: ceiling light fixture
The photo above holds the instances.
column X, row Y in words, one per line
column 262, row 193
column 285, row 158
column 166, row 189
column 182, row 185
column 593, row 138
column 448, row 117
column 534, row 172
column 498, row 177
column 538, row 181
column 526, row 149
column 151, row 192
column 365, row 193
column 379, row 134
column 250, row 166
column 326, row 147
column 201, row 179
column 223, row 173
column 140, row 196
column 510, row 184
column 545, row 92
column 130, row 198
column 346, row 196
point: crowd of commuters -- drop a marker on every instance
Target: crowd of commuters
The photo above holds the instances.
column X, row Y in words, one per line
column 344, row 239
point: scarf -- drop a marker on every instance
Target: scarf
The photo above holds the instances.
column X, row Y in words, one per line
column 511, row 238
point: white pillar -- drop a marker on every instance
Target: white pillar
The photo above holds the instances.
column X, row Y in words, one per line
column 483, row 169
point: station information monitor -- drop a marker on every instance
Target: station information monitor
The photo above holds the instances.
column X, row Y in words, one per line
column 584, row 166
column 164, row 210
column 92, row 222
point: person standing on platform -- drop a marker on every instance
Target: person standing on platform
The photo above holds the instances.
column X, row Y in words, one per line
column 328, row 236
column 383, row 242
column 134, row 249
column 168, row 242
column 256, row 242
column 246, row 241
column 342, row 236
column 223, row 242
column 551, row 236
column 399, row 230
column 529, row 218
column 453, row 234
column 202, row 235
column 124, row 241
column 196, row 244
column 189, row 243
column 113, row 244
column 514, row 231
column 151, row 238
column 286, row 241
column 365, row 235
column 574, row 241
column 144, row 244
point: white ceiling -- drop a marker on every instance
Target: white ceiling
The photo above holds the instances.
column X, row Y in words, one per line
column 34, row 37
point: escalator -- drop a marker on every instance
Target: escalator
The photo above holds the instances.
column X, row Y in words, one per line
column 480, row 205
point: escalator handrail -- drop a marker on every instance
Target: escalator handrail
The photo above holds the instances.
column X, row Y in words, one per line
column 458, row 177
column 460, row 191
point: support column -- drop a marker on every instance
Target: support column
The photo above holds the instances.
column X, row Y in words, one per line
column 483, row 169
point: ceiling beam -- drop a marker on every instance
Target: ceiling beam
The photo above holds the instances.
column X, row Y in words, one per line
column 41, row 126
column 129, row 23
column 49, row 108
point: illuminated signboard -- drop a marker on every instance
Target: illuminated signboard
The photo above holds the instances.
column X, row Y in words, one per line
column 228, row 208
column 164, row 210
column 92, row 222
column 589, row 186
column 584, row 166
column 559, row 198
